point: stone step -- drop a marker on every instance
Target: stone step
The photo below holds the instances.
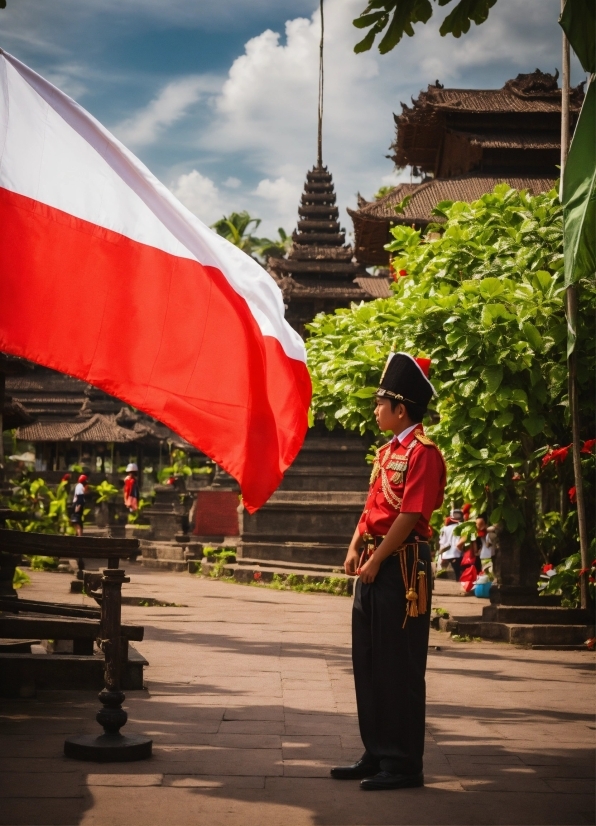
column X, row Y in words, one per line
column 328, row 554
column 246, row 573
column 174, row 551
column 165, row 564
column 328, row 570
column 535, row 614
column 530, row 634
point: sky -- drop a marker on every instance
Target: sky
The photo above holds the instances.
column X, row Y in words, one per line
column 219, row 98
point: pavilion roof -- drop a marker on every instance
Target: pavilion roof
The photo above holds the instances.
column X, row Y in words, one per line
column 373, row 220
column 421, row 126
column 98, row 428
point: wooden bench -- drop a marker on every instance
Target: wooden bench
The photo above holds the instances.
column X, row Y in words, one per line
column 111, row 745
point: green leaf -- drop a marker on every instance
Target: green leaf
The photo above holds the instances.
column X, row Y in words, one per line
column 492, row 377
column 533, row 336
column 364, row 392
column 366, row 20
column 458, row 21
column 366, row 43
column 534, row 424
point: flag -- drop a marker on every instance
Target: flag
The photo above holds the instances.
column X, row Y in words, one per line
column 105, row 276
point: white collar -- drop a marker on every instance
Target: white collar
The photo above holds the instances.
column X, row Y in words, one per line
column 400, row 437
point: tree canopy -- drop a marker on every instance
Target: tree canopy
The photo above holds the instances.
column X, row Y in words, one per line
column 397, row 17
column 481, row 296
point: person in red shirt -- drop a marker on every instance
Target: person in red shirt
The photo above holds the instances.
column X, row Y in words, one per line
column 391, row 556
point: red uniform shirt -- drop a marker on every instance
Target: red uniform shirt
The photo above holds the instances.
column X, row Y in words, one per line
column 407, row 476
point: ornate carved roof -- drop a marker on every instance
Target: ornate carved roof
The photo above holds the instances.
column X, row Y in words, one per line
column 530, row 101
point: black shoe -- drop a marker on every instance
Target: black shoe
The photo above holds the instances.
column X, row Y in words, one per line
column 385, row 780
column 363, row 768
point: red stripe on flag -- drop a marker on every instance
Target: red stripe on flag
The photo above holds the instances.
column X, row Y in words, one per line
column 165, row 334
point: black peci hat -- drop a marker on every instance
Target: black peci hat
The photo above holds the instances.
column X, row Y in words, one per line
column 406, row 379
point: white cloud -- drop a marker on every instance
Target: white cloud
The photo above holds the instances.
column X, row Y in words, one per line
column 232, row 183
column 281, row 201
column 200, row 194
column 266, row 111
column 170, row 105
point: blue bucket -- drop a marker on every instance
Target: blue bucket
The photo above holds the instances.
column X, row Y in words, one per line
column 482, row 589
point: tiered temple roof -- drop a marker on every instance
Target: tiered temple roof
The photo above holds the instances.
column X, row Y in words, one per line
column 319, row 274
column 54, row 407
column 466, row 141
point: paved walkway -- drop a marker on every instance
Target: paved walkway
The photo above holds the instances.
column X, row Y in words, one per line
column 250, row 701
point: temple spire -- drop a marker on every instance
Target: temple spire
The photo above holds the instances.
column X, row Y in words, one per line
column 321, row 83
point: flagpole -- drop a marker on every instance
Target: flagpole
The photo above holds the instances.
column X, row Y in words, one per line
column 321, row 79
column 572, row 302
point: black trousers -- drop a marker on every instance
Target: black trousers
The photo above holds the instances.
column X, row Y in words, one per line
column 389, row 667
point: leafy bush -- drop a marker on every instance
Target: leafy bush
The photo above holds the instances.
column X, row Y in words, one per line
column 106, row 492
column 565, row 581
column 485, row 301
column 45, row 507
column 20, row 579
column 43, row 563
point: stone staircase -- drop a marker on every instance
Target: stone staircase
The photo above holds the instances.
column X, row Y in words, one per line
column 535, row 626
column 262, row 570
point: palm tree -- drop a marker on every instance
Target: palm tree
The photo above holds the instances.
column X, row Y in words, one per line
column 236, row 228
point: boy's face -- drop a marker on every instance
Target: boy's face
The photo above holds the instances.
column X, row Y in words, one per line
column 388, row 419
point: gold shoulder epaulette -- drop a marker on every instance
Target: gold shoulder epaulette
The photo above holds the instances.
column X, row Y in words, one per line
column 424, row 440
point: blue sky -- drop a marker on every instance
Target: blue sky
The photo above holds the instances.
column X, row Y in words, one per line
column 219, row 98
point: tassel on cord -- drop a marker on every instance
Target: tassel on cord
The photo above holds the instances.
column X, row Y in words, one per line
column 422, row 590
column 411, row 594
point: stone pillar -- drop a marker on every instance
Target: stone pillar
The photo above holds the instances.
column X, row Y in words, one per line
column 168, row 515
column 516, row 568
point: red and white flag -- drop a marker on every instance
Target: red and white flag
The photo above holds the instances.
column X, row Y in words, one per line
column 105, row 276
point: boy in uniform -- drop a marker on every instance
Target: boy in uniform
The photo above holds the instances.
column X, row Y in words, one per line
column 391, row 556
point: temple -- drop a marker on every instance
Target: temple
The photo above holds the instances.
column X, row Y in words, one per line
column 320, row 274
column 68, row 421
column 463, row 142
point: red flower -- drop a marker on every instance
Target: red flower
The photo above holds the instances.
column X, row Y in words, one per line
column 572, row 495
column 588, row 446
column 257, row 575
column 546, row 568
column 591, row 643
column 583, row 571
column 560, row 454
column 546, row 458
column 516, row 477
column 403, row 273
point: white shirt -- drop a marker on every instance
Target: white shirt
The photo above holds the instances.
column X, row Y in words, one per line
column 399, row 437
column 78, row 491
column 486, row 549
column 448, row 542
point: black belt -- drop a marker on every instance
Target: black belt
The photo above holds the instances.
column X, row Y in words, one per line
column 375, row 541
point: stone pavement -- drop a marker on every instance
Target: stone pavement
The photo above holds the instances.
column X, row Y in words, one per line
column 250, row 701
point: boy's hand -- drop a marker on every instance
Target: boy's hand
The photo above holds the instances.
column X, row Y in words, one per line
column 351, row 562
column 369, row 570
